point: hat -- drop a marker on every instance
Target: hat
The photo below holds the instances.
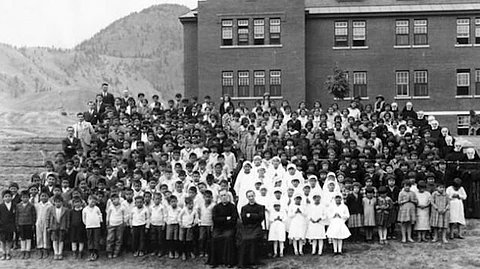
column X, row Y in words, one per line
column 291, row 166
column 380, row 96
column 277, row 190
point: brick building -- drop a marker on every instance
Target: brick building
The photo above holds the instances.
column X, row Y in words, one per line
column 424, row 51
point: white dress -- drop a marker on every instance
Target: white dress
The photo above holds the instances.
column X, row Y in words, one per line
column 298, row 223
column 277, row 228
column 316, row 230
column 457, row 215
column 423, row 215
column 337, row 228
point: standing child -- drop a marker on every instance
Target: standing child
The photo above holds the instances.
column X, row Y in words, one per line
column 315, row 227
column 115, row 222
column 392, row 192
column 205, row 222
column 407, row 214
column 298, row 225
column 187, row 219
column 171, row 219
column 337, row 230
column 355, row 207
column 457, row 195
column 422, row 226
column 7, row 224
column 78, row 235
column 369, row 212
column 58, row 222
column 92, row 217
column 25, row 221
column 139, row 223
column 383, row 207
column 440, row 217
column 41, row 231
column 157, row 225
column 277, row 230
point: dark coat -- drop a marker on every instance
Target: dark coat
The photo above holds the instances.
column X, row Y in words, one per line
column 7, row 219
column 53, row 224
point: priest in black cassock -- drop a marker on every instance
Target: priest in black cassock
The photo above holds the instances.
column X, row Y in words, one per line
column 225, row 216
column 252, row 215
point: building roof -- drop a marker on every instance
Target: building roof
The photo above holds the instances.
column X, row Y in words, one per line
column 350, row 3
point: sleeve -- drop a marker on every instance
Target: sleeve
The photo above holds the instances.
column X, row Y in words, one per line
column 345, row 213
column 462, row 193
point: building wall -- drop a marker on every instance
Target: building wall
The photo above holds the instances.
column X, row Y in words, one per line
column 190, row 52
column 289, row 57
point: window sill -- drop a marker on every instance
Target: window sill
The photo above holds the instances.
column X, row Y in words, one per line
column 402, row 97
column 476, row 96
column 257, row 98
column 420, row 97
column 350, row 98
column 463, row 96
column 463, row 45
column 251, row 46
column 421, row 46
column 476, row 45
column 402, row 46
column 341, row 48
column 360, row 48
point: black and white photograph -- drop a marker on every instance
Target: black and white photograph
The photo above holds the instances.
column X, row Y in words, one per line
column 276, row 134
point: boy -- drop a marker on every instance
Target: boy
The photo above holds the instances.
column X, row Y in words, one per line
column 205, row 222
column 7, row 224
column 92, row 217
column 58, row 222
column 115, row 225
column 25, row 219
column 157, row 225
column 171, row 219
column 77, row 227
column 188, row 218
column 41, row 224
column 140, row 222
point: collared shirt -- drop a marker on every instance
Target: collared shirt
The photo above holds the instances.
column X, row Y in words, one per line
column 116, row 215
column 157, row 216
column 140, row 216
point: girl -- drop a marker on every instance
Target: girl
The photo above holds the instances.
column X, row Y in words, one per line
column 383, row 206
column 277, row 231
column 337, row 230
column 457, row 194
column 440, row 212
column 423, row 211
column 77, row 228
column 58, row 222
column 355, row 207
column 25, row 219
column 297, row 214
column 248, row 143
column 41, row 232
column 316, row 227
column 369, row 213
column 407, row 214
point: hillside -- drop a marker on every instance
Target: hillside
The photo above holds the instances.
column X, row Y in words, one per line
column 141, row 52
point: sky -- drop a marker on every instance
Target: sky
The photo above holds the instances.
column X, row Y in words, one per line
column 64, row 23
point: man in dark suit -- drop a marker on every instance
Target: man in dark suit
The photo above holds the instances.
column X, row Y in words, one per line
column 108, row 98
column 91, row 115
column 70, row 144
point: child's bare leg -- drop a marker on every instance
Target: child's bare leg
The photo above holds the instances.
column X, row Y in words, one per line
column 380, row 233
column 459, row 231
column 340, row 245
column 452, row 233
column 300, row 246
column 435, row 235
column 282, row 246
column 404, row 232
column 314, row 246
column 320, row 246
column 275, row 247
column 444, row 235
column 409, row 232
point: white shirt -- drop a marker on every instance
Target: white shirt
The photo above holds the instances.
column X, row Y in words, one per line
column 116, row 215
column 140, row 216
column 157, row 216
column 171, row 216
column 92, row 217
column 8, row 205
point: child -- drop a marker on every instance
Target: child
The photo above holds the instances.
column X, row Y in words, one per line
column 369, row 212
column 407, row 214
column 422, row 226
column 92, row 217
column 41, row 231
column 187, row 219
column 58, row 222
column 157, row 225
column 116, row 218
column 277, row 229
column 383, row 206
column 440, row 217
column 337, row 230
column 355, row 207
column 7, row 224
column 316, row 227
column 392, row 192
column 25, row 221
column 139, row 223
column 171, row 219
column 457, row 195
column 298, row 225
column 205, row 222
column 77, row 228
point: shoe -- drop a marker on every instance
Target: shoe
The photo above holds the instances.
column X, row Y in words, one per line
column 135, row 254
column 109, row 255
column 159, row 254
column 171, row 256
column 140, row 254
column 460, row 237
column 274, row 255
column 95, row 256
column 4, row 257
column 55, row 256
column 192, row 255
column 115, row 255
column 445, row 240
column 319, row 254
column 177, row 255
column 91, row 257
column 184, row 257
column 60, row 257
column 9, row 257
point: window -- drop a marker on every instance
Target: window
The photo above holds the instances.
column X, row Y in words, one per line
column 227, row 83
column 463, row 82
column 275, row 83
column 463, row 124
column 243, row 84
column 420, row 32
column 259, row 32
column 258, row 83
column 227, row 32
column 402, row 33
column 477, row 31
column 359, row 34
column 463, row 31
column 360, row 84
column 341, row 34
column 242, row 32
column 477, row 82
column 420, row 83
column 275, row 31
column 401, row 82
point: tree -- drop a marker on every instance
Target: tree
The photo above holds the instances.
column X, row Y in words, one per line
column 337, row 84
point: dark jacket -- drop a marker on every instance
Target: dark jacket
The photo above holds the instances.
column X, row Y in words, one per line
column 53, row 224
column 7, row 219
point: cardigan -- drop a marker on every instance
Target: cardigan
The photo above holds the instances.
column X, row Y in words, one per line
column 26, row 215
